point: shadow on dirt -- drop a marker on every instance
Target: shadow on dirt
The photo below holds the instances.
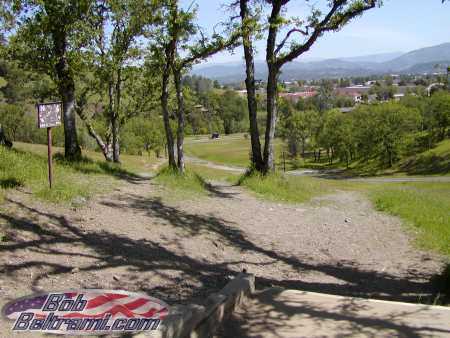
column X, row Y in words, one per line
column 103, row 250
column 270, row 313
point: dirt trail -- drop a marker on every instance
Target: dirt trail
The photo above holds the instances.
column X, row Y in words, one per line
column 140, row 239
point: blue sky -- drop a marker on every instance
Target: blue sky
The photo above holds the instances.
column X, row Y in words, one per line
column 398, row 26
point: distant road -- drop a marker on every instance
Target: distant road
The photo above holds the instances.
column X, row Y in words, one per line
column 402, row 179
column 199, row 161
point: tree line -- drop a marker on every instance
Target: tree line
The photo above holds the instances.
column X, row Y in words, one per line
column 384, row 131
column 104, row 58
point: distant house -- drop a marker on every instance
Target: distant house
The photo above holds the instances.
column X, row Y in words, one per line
column 294, row 97
column 398, row 96
column 355, row 92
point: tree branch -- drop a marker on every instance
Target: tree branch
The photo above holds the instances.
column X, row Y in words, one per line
column 293, row 30
column 210, row 49
column 332, row 21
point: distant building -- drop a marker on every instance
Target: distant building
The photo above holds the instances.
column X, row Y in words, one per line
column 294, row 97
column 355, row 92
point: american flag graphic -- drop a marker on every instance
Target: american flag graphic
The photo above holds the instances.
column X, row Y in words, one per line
column 120, row 304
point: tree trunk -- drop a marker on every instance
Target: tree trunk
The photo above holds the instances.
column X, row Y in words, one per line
column 269, row 164
column 72, row 149
column 104, row 147
column 303, row 147
column 66, row 88
column 272, row 90
column 257, row 160
column 181, row 120
column 3, row 139
column 165, row 103
column 115, row 123
column 115, row 138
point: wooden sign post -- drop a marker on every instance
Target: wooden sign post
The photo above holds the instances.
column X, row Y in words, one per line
column 49, row 115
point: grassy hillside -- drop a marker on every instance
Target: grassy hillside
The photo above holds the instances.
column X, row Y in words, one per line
column 425, row 207
column 435, row 161
column 25, row 167
column 132, row 163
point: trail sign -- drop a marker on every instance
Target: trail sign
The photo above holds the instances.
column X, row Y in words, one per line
column 49, row 115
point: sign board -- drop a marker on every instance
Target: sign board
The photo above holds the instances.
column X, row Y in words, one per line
column 49, row 114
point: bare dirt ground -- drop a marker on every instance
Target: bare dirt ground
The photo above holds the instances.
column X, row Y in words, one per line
column 140, row 238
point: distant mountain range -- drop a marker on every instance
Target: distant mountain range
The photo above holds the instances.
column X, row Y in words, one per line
column 418, row 61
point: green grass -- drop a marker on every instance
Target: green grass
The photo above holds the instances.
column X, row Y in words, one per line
column 211, row 174
column 28, row 169
column 425, row 207
column 296, row 189
column 433, row 161
column 230, row 149
column 130, row 163
column 189, row 184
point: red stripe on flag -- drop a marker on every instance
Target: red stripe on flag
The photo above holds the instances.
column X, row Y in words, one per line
column 137, row 303
column 100, row 300
column 113, row 311
column 150, row 313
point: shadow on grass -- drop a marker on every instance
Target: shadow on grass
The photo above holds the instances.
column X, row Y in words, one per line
column 430, row 164
column 88, row 166
column 423, row 164
column 191, row 181
column 10, row 183
column 213, row 190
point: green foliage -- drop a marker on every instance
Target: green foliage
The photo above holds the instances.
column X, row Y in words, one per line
column 384, row 132
column 297, row 128
column 41, row 24
column 141, row 134
column 390, row 124
column 11, row 119
column 383, row 92
column 437, row 114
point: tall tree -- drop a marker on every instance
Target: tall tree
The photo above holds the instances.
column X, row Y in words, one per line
column 117, row 27
column 196, row 52
column 181, row 51
column 279, row 52
column 249, row 27
column 50, row 35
